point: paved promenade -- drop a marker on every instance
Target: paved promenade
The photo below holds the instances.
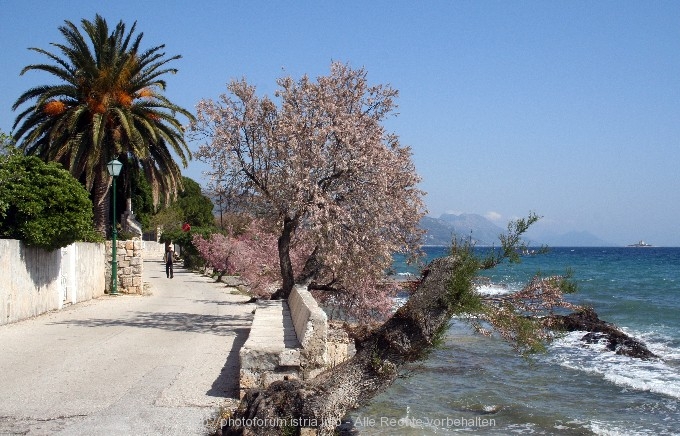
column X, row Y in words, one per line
column 157, row 364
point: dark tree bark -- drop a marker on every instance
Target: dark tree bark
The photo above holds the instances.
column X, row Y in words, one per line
column 101, row 201
column 311, row 268
column 323, row 401
column 287, row 277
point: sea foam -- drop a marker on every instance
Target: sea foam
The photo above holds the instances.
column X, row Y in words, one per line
column 660, row 376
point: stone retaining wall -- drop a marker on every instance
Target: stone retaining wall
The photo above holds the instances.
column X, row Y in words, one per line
column 289, row 339
column 37, row 281
column 129, row 255
column 311, row 327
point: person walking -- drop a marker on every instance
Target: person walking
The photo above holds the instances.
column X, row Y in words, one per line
column 169, row 254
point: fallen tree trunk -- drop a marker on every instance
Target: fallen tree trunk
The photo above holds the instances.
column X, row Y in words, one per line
column 323, row 401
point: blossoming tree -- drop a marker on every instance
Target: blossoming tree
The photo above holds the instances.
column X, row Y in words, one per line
column 319, row 160
column 250, row 253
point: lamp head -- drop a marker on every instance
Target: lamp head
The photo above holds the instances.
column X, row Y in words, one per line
column 114, row 167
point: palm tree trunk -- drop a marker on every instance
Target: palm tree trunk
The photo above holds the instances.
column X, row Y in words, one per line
column 101, row 202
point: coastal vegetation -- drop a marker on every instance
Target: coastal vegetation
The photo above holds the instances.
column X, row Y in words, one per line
column 191, row 208
column 527, row 319
column 330, row 196
column 108, row 102
column 6, row 143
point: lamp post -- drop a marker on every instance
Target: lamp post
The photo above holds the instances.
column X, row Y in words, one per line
column 114, row 168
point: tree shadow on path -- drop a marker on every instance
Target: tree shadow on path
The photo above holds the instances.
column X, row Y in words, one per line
column 226, row 384
column 223, row 325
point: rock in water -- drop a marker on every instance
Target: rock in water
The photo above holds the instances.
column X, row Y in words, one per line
column 599, row 330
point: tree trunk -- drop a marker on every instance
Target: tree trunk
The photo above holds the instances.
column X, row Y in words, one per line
column 101, row 202
column 311, row 268
column 287, row 277
column 323, row 401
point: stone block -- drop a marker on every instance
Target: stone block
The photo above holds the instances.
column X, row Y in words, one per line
column 129, row 245
column 289, row 357
column 336, row 353
column 135, row 261
column 259, row 359
column 248, row 379
column 270, row 377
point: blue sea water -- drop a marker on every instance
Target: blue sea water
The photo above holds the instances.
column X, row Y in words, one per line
column 478, row 384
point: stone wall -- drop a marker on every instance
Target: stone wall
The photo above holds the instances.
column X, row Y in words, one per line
column 339, row 346
column 130, row 266
column 35, row 281
column 131, row 256
column 311, row 328
column 290, row 340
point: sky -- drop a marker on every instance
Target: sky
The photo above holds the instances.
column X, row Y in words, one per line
column 569, row 109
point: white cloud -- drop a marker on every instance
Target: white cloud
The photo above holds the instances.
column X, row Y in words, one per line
column 493, row 216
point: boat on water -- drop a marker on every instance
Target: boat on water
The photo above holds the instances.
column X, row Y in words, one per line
column 641, row 243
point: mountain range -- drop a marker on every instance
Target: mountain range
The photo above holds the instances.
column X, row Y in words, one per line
column 440, row 231
column 482, row 232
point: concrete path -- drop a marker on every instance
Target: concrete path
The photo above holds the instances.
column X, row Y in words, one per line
column 157, row 364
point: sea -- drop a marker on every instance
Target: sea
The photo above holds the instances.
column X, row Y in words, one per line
column 477, row 384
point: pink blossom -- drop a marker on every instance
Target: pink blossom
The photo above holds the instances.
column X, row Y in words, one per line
column 318, row 166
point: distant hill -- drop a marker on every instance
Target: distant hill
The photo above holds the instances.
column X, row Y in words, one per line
column 569, row 239
column 440, row 230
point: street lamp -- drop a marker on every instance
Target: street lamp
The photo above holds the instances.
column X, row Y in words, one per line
column 114, row 168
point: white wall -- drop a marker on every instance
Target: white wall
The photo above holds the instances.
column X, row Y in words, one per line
column 34, row 281
column 153, row 250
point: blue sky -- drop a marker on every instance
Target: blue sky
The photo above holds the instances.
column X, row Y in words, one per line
column 569, row 109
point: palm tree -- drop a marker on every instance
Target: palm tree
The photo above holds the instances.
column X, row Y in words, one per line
column 108, row 104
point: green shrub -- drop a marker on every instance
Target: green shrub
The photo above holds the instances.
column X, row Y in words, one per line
column 42, row 204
